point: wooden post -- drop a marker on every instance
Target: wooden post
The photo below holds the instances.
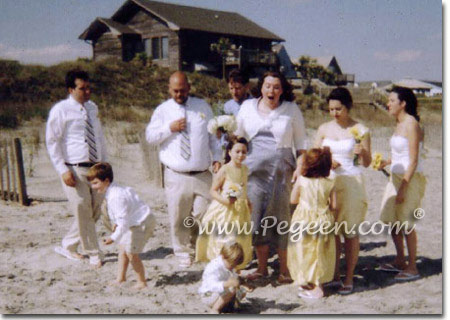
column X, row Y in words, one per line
column 2, row 189
column 240, row 57
column 12, row 162
column 8, row 179
column 22, row 194
column 161, row 183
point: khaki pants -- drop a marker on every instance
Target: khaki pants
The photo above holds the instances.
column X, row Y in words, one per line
column 86, row 208
column 185, row 194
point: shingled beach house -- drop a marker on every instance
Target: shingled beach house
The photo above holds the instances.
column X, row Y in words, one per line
column 180, row 37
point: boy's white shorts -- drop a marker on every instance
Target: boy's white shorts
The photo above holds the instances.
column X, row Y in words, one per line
column 134, row 240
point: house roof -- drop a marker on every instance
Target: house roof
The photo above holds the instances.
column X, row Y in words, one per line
column 101, row 25
column 413, row 84
column 324, row 61
column 192, row 18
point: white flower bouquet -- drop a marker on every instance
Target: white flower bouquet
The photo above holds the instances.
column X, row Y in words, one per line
column 234, row 191
column 224, row 123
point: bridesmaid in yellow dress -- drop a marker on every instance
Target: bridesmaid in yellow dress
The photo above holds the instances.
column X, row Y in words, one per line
column 230, row 209
column 311, row 254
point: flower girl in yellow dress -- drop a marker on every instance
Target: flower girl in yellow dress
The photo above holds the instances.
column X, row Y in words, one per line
column 311, row 248
column 228, row 216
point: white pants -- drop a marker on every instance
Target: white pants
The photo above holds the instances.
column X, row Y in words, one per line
column 85, row 204
column 185, row 194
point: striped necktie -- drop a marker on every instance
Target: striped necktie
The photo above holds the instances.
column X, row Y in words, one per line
column 90, row 138
column 185, row 141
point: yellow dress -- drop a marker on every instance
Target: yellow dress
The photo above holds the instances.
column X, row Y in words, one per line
column 311, row 255
column 227, row 223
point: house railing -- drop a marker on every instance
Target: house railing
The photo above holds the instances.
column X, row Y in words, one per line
column 254, row 57
column 345, row 78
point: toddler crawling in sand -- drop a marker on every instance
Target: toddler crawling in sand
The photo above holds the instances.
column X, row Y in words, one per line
column 132, row 221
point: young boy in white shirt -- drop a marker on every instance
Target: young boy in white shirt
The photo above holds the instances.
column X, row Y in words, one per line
column 220, row 283
column 132, row 221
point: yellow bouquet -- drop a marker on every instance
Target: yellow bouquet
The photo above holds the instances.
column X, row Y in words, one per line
column 358, row 138
column 376, row 163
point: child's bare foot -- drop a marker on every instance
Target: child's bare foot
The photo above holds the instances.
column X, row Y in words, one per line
column 140, row 285
column 97, row 265
column 116, row 283
column 77, row 255
column 95, row 262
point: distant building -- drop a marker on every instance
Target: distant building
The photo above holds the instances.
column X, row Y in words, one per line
column 330, row 63
column 419, row 86
column 179, row 37
column 436, row 88
column 286, row 66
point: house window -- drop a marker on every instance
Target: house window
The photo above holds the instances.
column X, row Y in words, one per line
column 157, row 48
column 156, row 54
column 148, row 47
column 165, row 47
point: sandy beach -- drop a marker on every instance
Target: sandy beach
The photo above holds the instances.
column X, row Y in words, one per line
column 35, row 280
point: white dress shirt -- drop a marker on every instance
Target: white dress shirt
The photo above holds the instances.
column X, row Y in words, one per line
column 65, row 133
column 125, row 209
column 232, row 107
column 285, row 122
column 214, row 276
column 197, row 113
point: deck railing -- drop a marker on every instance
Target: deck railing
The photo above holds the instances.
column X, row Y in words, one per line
column 253, row 57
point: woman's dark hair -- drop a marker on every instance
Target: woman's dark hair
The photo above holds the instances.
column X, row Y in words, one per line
column 316, row 163
column 342, row 95
column 231, row 143
column 72, row 75
column 287, row 95
column 407, row 95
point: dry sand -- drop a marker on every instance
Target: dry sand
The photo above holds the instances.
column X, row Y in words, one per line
column 35, row 280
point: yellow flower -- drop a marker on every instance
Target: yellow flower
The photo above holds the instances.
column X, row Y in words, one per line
column 376, row 161
column 355, row 133
column 202, row 115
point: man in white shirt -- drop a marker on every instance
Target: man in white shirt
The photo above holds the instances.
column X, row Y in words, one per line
column 75, row 142
column 238, row 84
column 179, row 127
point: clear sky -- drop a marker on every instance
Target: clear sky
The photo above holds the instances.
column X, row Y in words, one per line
column 374, row 39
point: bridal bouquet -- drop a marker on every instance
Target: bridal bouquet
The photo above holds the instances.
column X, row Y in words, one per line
column 224, row 123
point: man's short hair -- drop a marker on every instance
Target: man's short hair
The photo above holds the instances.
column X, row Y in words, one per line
column 72, row 75
column 102, row 171
column 239, row 76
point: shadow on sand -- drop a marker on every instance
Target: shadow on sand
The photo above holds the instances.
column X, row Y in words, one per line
column 179, row 278
column 159, row 253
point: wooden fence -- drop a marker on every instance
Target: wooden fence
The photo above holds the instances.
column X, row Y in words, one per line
column 12, row 173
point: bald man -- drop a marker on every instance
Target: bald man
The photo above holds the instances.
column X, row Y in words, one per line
column 179, row 127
